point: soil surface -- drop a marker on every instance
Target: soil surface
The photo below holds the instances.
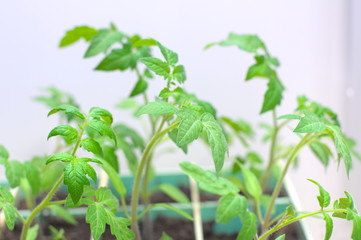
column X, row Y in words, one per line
column 178, row 229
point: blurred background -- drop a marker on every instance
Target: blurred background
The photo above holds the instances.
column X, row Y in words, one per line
column 315, row 41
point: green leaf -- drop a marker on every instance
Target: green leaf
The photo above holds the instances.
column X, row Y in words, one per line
column 173, row 135
column 356, row 220
column 101, row 114
column 208, row 181
column 179, row 74
column 33, row 232
column 165, row 93
column 341, row 146
column 87, row 198
column 274, row 61
column 252, row 184
column 139, row 88
column 324, row 199
column 119, row 227
column 230, row 206
column 170, row 56
column 96, row 216
column 77, row 33
column 91, row 146
column 249, row 228
column 131, row 157
column 75, row 177
column 329, row 226
column 248, row 43
column 310, row 123
column 290, row 116
column 102, row 128
column 216, row 139
column 69, row 134
column 173, row 193
column 156, row 65
column 351, row 203
column 109, row 155
column 32, row 174
column 157, row 108
column 145, row 42
column 4, row 154
column 253, row 158
column 321, row 151
column 273, row 95
column 88, row 169
column 118, row 59
column 68, row 109
column 102, row 41
column 6, row 195
column 14, row 172
column 62, row 213
column 209, row 45
column 106, row 197
column 165, row 237
column 10, row 215
column 259, row 70
column 64, row 157
column 134, row 139
column 343, row 203
column 282, row 237
column 189, row 129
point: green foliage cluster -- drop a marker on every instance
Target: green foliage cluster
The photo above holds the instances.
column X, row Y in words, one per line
column 181, row 117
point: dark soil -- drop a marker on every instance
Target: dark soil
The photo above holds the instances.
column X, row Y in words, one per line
column 178, row 229
column 72, row 232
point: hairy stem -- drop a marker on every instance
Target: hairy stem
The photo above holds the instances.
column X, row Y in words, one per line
column 279, row 184
column 138, row 175
column 258, row 211
column 148, row 228
column 38, row 208
column 295, row 219
column 60, row 202
column 45, row 201
column 20, row 216
column 271, row 159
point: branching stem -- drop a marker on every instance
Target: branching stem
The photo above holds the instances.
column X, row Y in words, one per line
column 306, row 139
column 46, row 200
column 138, row 175
column 295, row 219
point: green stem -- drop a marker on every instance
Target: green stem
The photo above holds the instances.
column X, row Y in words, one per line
column 124, row 205
column 61, row 202
column 258, row 211
column 38, row 208
column 45, row 201
column 138, row 175
column 295, row 219
column 271, row 160
column 279, row 184
column 146, row 100
column 20, row 217
column 146, row 198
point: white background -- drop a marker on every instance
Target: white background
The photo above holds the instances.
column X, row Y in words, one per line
column 311, row 39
